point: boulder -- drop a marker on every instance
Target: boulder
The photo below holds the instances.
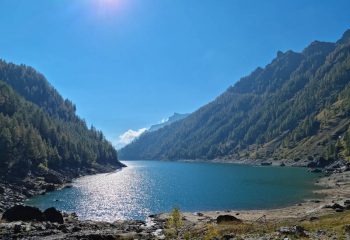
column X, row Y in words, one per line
column 228, row 236
column 17, row 228
column 347, row 228
column 2, row 190
column 22, row 213
column 334, row 206
column 315, row 170
column 320, row 163
column 285, row 230
column 227, row 218
column 266, row 163
column 299, row 231
column 337, row 206
column 52, row 177
column 29, row 184
column 49, row 187
column 339, row 209
column 295, row 230
column 52, row 215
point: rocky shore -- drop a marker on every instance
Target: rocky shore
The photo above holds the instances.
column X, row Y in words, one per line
column 72, row 228
column 14, row 191
column 25, row 224
column 287, row 223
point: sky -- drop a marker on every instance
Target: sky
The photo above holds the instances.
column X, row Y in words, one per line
column 128, row 64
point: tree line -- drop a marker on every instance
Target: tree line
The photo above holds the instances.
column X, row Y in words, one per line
column 39, row 129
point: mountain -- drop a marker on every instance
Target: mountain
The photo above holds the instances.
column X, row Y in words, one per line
column 40, row 131
column 296, row 107
column 175, row 117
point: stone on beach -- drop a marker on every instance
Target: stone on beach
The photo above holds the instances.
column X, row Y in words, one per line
column 27, row 213
column 52, row 215
column 227, row 218
column 22, row 213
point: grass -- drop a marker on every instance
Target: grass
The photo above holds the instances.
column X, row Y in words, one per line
column 336, row 223
column 333, row 224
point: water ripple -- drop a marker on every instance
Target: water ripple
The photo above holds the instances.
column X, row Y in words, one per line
column 147, row 187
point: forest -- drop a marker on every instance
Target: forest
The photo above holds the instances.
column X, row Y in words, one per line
column 40, row 130
column 295, row 107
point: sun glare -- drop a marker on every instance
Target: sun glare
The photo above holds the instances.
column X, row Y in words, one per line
column 108, row 3
column 106, row 7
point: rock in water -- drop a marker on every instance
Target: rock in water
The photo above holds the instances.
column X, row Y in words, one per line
column 52, row 215
column 22, row 213
column 227, row 218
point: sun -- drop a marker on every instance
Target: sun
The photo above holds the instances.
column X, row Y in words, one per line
column 105, row 8
column 109, row 4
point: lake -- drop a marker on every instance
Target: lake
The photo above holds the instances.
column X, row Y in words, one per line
column 147, row 187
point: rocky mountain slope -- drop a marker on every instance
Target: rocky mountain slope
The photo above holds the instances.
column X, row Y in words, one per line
column 296, row 107
column 174, row 118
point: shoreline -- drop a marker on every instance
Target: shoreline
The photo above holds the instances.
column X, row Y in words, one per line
column 17, row 191
column 250, row 162
column 333, row 201
column 334, row 189
column 305, row 208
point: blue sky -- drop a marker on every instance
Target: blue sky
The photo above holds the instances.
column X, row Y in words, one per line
column 128, row 64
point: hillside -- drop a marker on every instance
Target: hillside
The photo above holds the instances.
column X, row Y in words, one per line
column 39, row 130
column 174, row 118
column 296, row 107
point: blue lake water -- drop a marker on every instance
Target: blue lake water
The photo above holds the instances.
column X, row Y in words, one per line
column 147, row 187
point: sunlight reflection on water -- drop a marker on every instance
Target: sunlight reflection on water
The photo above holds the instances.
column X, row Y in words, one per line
column 147, row 187
column 114, row 196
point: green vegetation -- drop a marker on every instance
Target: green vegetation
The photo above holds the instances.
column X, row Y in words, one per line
column 297, row 107
column 211, row 232
column 331, row 226
column 174, row 224
column 40, row 130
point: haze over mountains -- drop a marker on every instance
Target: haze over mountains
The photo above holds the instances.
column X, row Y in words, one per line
column 174, row 118
column 296, row 107
column 130, row 135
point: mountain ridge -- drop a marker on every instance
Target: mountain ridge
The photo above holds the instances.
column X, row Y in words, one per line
column 279, row 103
column 173, row 118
